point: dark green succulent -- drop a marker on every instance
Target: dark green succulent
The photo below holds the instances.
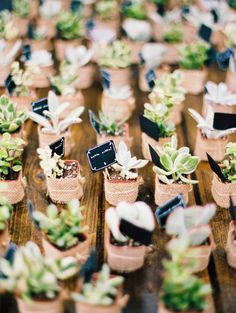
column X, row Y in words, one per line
column 70, row 26
column 193, row 56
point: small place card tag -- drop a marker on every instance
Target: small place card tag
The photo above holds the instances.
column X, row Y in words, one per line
column 148, row 127
column 215, row 15
column 58, row 147
column 75, row 5
column 223, row 58
column 150, row 77
column 163, row 211
column 26, row 51
column 106, row 79
column 10, row 84
column 155, row 157
column 223, row 121
column 31, row 210
column 89, row 267
column 141, row 59
column 138, row 234
column 205, row 32
column 90, row 24
column 93, row 122
column 40, row 106
column 211, row 56
column 101, row 156
column 30, row 31
column 216, row 168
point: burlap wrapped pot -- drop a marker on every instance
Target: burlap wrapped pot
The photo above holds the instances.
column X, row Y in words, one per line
column 41, row 306
column 143, row 71
column 86, row 76
column 222, row 191
column 216, row 107
column 164, row 192
column 147, row 140
column 75, row 100
column 194, row 80
column 23, row 103
column 119, row 77
column 230, row 81
column 4, row 240
column 13, row 189
column 163, row 309
column 215, row 147
column 62, row 45
column 231, row 245
column 63, row 190
column 124, row 259
column 46, row 139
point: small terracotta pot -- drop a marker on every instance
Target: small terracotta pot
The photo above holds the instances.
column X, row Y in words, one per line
column 63, row 190
column 136, row 48
column 143, row 86
column 171, row 55
column 230, row 81
column 117, row 139
column 216, row 107
column 118, row 109
column 215, row 147
column 62, row 45
column 75, row 100
column 231, row 245
column 164, row 192
column 222, row 191
column 119, row 77
column 41, row 80
column 44, row 44
column 176, row 113
column 4, row 240
column 5, row 70
column 146, row 141
column 14, row 189
column 22, row 25
column 86, row 76
column 46, row 139
column 24, row 102
column 121, row 190
column 112, row 25
column 81, row 249
column 53, row 306
column 194, row 80
column 163, row 309
column 49, row 25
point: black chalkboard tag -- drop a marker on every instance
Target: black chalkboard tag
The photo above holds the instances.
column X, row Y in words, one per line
column 232, row 209
column 223, row 121
column 163, row 211
column 161, row 9
column 148, row 127
column 89, row 267
column 216, row 168
column 75, row 5
column 137, row 233
column 205, row 32
column 185, row 9
column 150, row 77
column 10, row 84
column 211, row 56
column 223, row 58
column 40, row 106
column 93, row 121
column 31, row 210
column 141, row 59
column 90, row 24
column 58, row 147
column 30, row 31
column 101, row 156
column 10, row 253
column 215, row 15
column 155, row 157
column 106, row 79
column 26, row 51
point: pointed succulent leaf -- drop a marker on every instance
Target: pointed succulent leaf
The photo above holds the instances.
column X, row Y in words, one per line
column 39, row 120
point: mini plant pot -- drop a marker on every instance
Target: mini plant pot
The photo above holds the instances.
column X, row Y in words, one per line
column 221, row 192
column 124, row 259
column 13, row 189
column 44, row 44
column 121, row 190
column 164, row 192
column 86, row 76
column 147, row 140
column 75, row 100
column 143, row 86
column 4, row 240
column 111, row 25
column 171, row 55
column 41, row 306
column 231, row 246
column 22, row 25
column 49, row 25
column 215, row 147
column 46, row 139
column 41, row 80
column 216, row 107
column 136, row 48
column 163, row 309
column 119, row 77
column 117, row 139
column 81, row 249
column 230, row 81
column 62, row 45
column 24, row 102
column 176, row 113
column 63, row 190
column 194, row 80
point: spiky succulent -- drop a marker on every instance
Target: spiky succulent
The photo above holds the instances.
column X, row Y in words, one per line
column 5, row 210
column 193, row 55
column 229, row 162
column 70, row 26
column 21, row 7
column 53, row 166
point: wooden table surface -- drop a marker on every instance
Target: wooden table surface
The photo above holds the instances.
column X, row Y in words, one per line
column 143, row 285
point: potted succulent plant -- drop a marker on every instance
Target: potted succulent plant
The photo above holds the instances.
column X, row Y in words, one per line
column 118, row 103
column 5, row 215
column 124, row 253
column 172, row 177
column 109, row 129
column 63, row 178
column 191, row 62
column 188, row 293
column 39, row 39
column 52, row 126
column 221, row 191
column 8, row 28
column 71, row 30
column 158, row 114
column 231, row 245
column 24, row 93
column 63, row 232
column 11, row 149
column 80, row 57
column 121, row 178
column 193, row 223
column 33, row 279
column 115, row 60
column 102, row 293
column 65, row 86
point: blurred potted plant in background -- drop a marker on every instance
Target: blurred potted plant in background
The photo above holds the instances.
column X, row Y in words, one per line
column 5, row 215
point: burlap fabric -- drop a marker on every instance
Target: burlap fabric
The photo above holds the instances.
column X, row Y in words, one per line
column 23, row 103
column 54, row 306
column 121, row 190
column 217, row 107
column 230, row 81
column 14, row 189
column 124, row 259
column 231, row 246
column 222, row 191
column 86, row 76
column 75, row 101
column 61, row 46
column 119, row 77
column 215, row 147
column 146, row 141
column 46, row 139
column 142, row 80
column 194, row 80
column 4, row 240
column 164, row 192
column 63, row 190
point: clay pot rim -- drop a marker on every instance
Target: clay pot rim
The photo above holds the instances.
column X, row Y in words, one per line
column 68, row 162
column 179, row 184
column 86, row 237
column 48, row 134
column 124, row 134
column 212, row 139
column 13, row 180
column 115, row 69
column 219, row 181
column 58, row 297
column 126, row 247
column 205, row 247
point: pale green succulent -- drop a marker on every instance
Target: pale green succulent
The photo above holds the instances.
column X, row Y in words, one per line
column 229, row 162
column 21, row 7
column 63, row 229
column 106, row 9
column 193, row 55
column 117, row 55
column 8, row 29
column 177, row 163
column 174, row 33
column 23, row 79
column 70, row 26
column 10, row 119
column 102, row 291
column 5, row 211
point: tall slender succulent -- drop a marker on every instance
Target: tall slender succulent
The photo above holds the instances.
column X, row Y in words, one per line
column 176, row 163
column 70, row 26
column 21, row 7
column 64, row 228
column 5, row 211
column 229, row 162
column 10, row 119
column 193, row 55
